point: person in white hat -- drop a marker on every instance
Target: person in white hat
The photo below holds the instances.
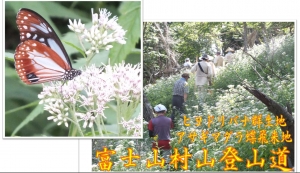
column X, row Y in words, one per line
column 229, row 56
column 159, row 127
column 203, row 72
column 187, row 63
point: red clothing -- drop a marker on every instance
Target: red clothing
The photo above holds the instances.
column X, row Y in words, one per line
column 163, row 144
column 161, row 126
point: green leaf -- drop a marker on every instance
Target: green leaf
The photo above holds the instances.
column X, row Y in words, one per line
column 26, row 93
column 9, row 56
column 111, row 129
column 137, row 111
column 77, row 48
column 35, row 112
column 98, row 59
column 110, row 112
column 22, row 107
column 63, row 12
column 130, row 20
column 73, row 37
column 134, row 57
column 9, row 71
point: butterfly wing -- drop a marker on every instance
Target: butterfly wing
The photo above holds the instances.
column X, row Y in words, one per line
column 37, row 63
column 40, row 57
column 32, row 26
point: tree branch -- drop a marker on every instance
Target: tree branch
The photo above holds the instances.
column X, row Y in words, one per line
column 278, row 110
column 256, row 60
column 262, row 78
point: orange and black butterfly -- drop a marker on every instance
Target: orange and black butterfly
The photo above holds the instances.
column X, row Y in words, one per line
column 40, row 57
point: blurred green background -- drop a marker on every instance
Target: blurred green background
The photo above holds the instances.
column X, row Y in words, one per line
column 23, row 115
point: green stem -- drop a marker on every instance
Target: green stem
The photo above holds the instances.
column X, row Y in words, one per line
column 93, row 131
column 70, row 119
column 75, row 120
column 103, row 124
column 72, row 130
column 119, row 115
column 81, row 43
column 99, row 125
column 126, row 111
column 89, row 58
column 131, row 108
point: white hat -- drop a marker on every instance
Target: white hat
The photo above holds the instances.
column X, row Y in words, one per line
column 159, row 108
column 187, row 59
column 210, row 58
column 229, row 49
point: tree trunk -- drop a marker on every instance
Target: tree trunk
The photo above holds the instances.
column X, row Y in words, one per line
column 147, row 109
column 245, row 37
column 171, row 62
column 150, row 74
column 251, row 38
column 278, row 110
column 265, row 35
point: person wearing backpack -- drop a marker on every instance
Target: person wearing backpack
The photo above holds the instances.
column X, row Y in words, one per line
column 203, row 72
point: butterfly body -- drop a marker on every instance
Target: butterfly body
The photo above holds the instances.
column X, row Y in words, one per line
column 40, row 57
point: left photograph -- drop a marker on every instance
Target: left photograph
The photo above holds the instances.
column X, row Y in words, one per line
column 72, row 69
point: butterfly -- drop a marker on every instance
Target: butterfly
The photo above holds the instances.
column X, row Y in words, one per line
column 40, row 57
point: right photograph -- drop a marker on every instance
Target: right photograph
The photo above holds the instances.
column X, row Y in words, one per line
column 217, row 96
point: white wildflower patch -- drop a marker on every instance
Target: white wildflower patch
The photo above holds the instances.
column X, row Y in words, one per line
column 85, row 97
column 103, row 32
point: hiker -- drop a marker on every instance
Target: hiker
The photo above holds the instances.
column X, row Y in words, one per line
column 203, row 71
column 180, row 93
column 229, row 56
column 187, row 63
column 159, row 129
column 219, row 60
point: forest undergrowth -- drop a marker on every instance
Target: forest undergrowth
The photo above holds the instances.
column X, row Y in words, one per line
column 230, row 121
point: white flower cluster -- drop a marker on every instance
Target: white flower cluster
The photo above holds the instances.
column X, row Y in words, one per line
column 59, row 113
column 102, row 33
column 198, row 154
column 133, row 126
column 86, row 95
column 127, row 81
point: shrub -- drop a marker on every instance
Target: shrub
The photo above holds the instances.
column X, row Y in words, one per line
column 275, row 60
